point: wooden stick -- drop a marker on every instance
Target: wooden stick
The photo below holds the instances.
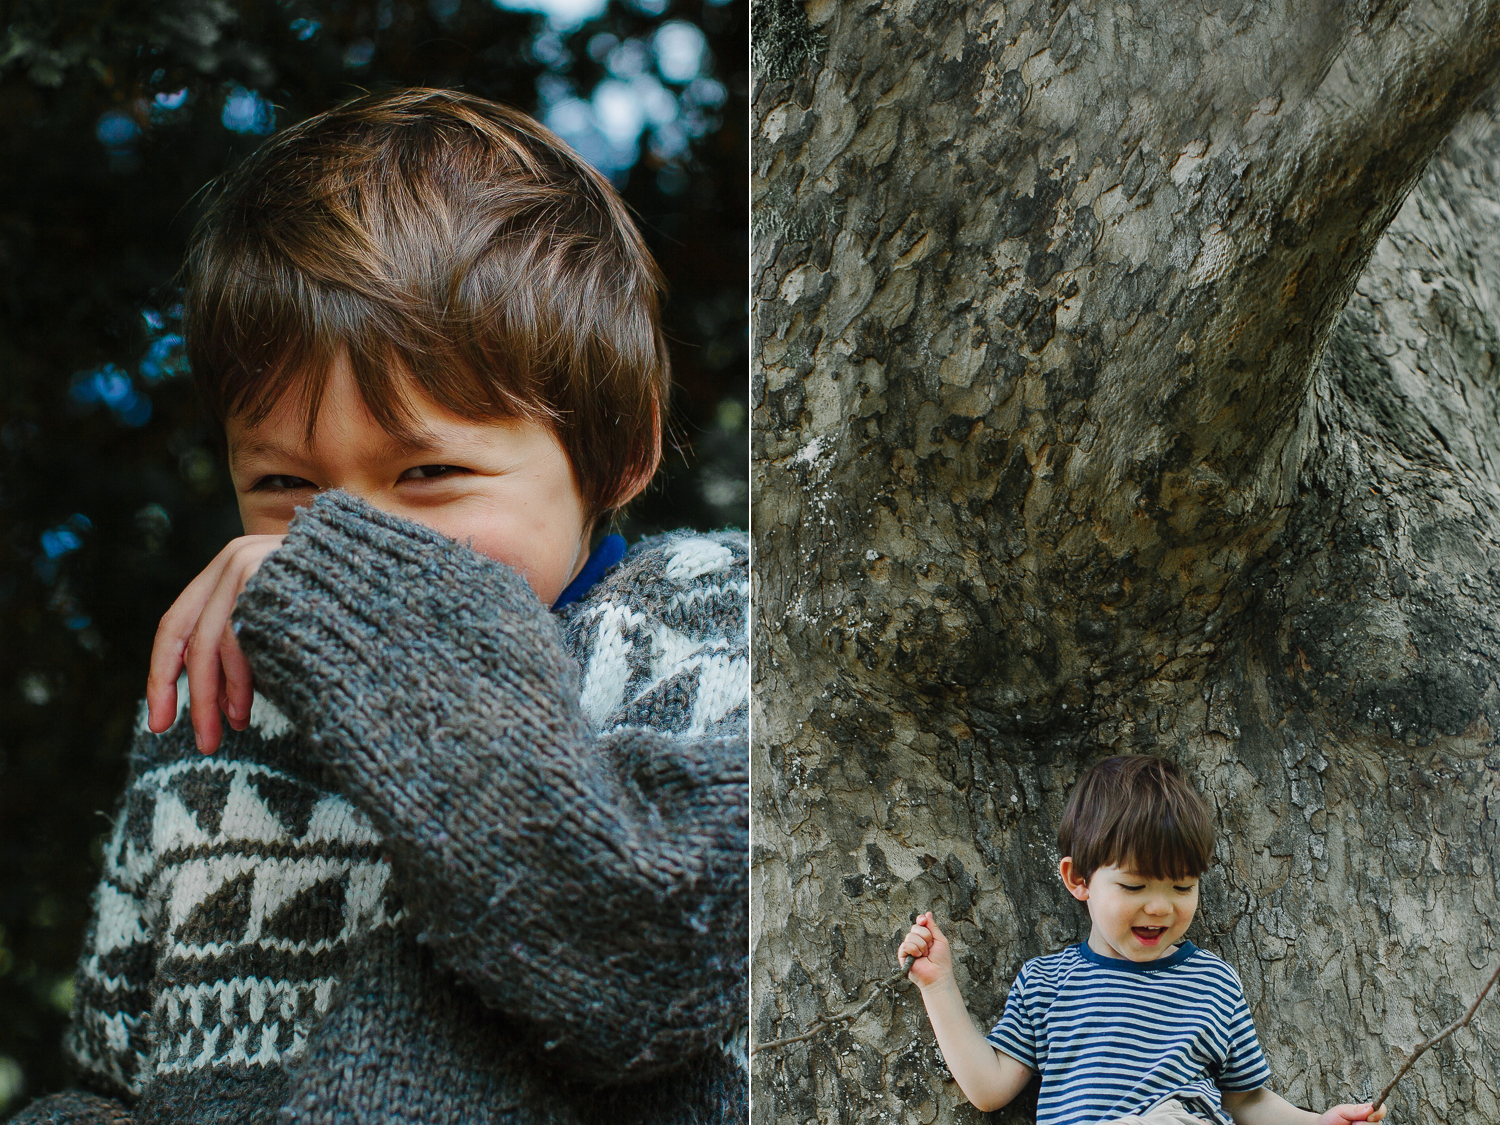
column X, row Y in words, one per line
column 1421, row 1048
column 852, row 1014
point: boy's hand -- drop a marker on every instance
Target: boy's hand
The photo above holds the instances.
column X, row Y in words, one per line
column 195, row 633
column 932, row 959
column 1343, row 1114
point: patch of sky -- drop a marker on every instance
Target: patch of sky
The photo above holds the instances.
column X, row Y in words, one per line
column 607, row 127
column 246, row 112
column 112, row 387
column 58, row 542
column 166, row 354
column 66, row 536
column 305, row 29
column 167, row 105
column 628, row 59
column 359, row 53
column 619, row 114
column 706, row 92
column 117, row 131
column 679, row 48
column 164, row 358
column 599, row 46
column 550, row 51
column 562, row 14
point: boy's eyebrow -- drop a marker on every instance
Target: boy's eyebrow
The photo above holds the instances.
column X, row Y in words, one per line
column 422, row 442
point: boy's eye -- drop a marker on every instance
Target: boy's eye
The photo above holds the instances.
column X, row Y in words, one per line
column 428, row 472
column 281, row 482
column 1184, row 890
column 1133, row 886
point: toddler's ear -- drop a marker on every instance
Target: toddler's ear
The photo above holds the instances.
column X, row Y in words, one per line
column 1078, row 888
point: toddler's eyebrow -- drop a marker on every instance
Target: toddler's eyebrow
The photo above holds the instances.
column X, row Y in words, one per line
column 393, row 449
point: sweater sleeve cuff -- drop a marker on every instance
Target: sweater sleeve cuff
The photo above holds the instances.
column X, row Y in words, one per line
column 354, row 586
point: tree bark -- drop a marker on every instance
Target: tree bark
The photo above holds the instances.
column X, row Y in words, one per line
column 1115, row 392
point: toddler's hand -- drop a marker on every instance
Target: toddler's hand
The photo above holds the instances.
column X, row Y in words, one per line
column 932, row 960
column 1343, row 1114
column 195, row 634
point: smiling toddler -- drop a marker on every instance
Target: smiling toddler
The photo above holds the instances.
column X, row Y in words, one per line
column 472, row 847
column 1136, row 1026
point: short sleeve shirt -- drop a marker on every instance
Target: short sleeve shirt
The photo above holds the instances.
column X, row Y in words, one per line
column 1112, row 1038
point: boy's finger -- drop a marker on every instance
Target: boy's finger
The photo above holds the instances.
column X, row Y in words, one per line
column 204, row 666
column 239, row 684
column 169, row 649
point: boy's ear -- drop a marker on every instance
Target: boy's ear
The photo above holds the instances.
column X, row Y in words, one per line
column 1078, row 888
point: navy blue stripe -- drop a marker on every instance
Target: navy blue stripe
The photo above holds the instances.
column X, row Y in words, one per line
column 1111, row 1038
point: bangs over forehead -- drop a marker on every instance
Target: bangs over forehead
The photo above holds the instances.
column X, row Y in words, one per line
column 454, row 248
column 1139, row 813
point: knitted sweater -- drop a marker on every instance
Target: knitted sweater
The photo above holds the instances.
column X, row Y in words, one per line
column 471, row 861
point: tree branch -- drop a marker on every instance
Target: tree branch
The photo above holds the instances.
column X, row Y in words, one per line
column 1422, row 1048
column 827, row 1022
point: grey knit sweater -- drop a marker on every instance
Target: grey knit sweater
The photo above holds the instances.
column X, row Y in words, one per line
column 472, row 861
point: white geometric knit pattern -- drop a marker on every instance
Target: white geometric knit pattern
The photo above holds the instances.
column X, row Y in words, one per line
column 202, row 871
column 639, row 659
column 234, row 892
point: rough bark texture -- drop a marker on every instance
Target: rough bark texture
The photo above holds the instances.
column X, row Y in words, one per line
column 1101, row 406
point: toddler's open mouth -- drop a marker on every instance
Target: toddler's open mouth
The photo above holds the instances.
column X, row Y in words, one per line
column 1148, row 935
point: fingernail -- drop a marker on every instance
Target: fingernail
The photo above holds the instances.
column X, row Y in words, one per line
column 198, row 741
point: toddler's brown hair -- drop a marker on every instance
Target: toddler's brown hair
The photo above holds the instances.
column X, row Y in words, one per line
column 453, row 246
column 1137, row 812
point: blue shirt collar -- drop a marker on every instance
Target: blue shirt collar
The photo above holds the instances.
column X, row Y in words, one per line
column 1185, row 950
column 610, row 551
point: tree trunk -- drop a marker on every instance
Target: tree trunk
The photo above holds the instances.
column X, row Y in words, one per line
column 1116, row 392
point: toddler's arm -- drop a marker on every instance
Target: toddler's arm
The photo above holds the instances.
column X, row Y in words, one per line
column 988, row 1077
column 595, row 885
column 1262, row 1107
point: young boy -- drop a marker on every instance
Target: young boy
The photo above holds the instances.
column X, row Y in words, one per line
column 1135, row 1026
column 473, row 848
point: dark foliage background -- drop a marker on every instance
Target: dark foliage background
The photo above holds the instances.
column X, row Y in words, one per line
column 113, row 116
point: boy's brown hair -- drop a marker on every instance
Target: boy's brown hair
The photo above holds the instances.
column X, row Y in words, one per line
column 453, row 246
column 1140, row 813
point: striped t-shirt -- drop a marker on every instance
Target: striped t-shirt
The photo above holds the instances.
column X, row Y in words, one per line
column 1112, row 1038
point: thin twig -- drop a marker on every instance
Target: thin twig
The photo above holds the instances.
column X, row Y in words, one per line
column 828, row 1021
column 1421, row 1048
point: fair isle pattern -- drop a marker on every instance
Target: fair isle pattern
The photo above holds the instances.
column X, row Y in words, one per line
column 238, row 891
column 243, row 891
column 1112, row 1038
column 218, row 870
column 659, row 652
column 686, row 654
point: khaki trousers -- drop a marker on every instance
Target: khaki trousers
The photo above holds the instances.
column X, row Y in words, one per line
column 1169, row 1112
